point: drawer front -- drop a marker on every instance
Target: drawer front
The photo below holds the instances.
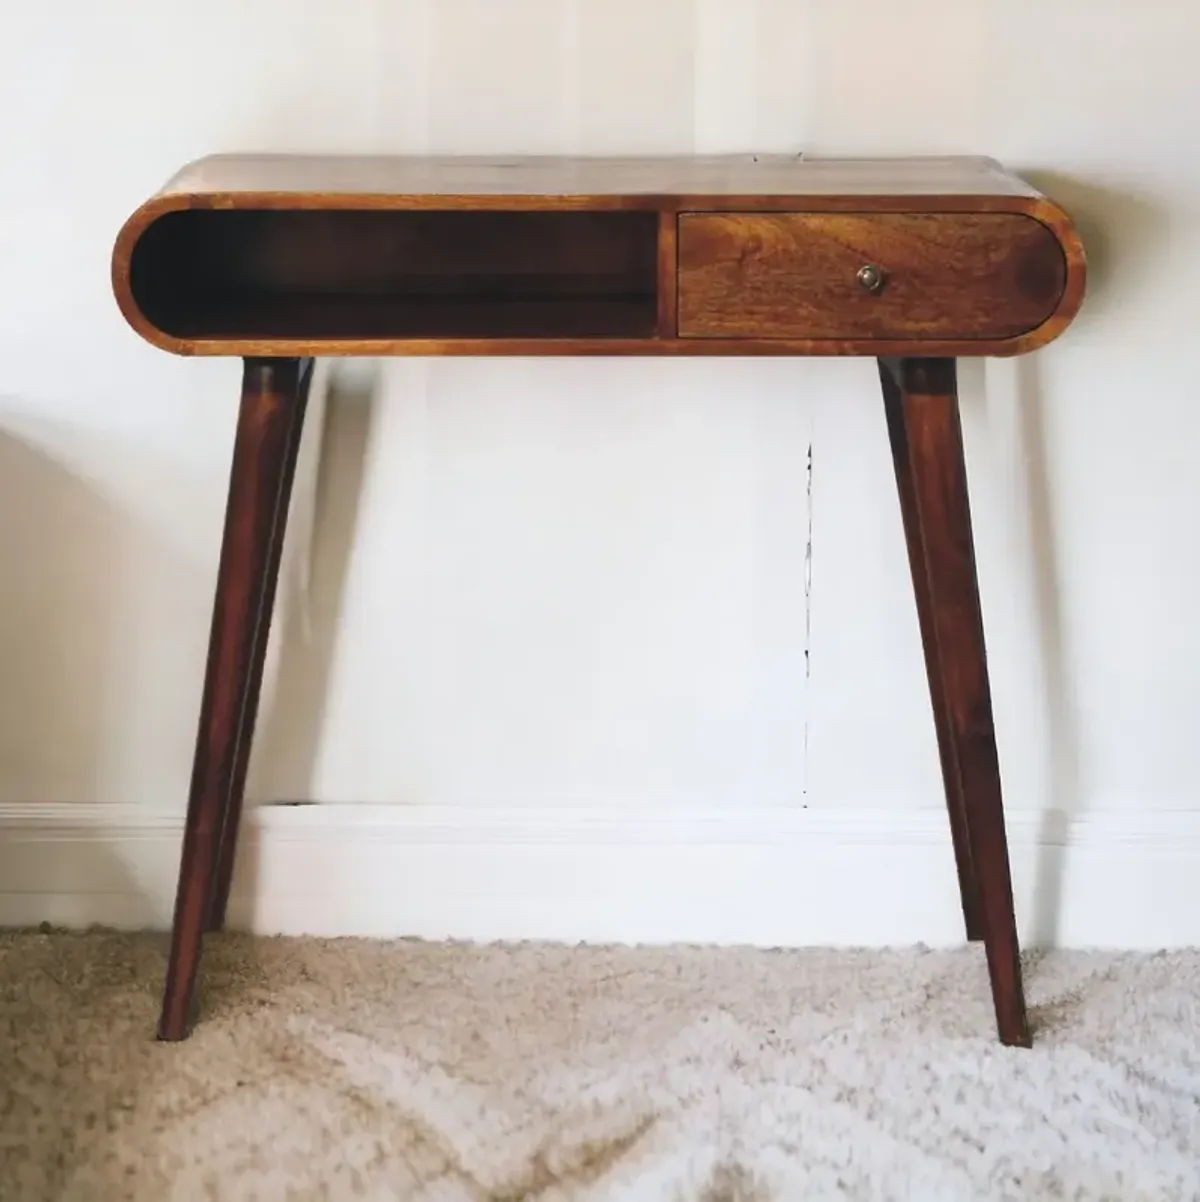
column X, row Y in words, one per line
column 886, row 276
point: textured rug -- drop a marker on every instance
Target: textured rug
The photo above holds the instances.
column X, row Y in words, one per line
column 440, row 1073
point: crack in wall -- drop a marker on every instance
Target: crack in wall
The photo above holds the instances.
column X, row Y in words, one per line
column 808, row 558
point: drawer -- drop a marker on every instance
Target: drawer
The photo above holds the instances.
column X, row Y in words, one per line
column 887, row 276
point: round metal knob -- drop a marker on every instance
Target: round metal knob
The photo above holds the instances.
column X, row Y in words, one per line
column 870, row 278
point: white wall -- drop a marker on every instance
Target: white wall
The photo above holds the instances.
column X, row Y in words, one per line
column 538, row 585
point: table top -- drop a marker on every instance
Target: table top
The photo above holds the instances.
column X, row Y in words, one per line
column 756, row 175
column 286, row 254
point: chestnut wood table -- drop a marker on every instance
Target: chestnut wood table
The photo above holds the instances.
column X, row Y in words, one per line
column 278, row 258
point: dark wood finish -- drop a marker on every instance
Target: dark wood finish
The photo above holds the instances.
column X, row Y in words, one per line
column 231, row 821
column 278, row 257
column 924, row 405
column 950, row 276
column 668, row 273
column 266, row 431
column 893, row 404
column 364, row 273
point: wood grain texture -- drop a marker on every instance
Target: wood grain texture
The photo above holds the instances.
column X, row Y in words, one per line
column 925, row 408
column 987, row 276
column 266, row 421
column 668, row 275
column 285, row 314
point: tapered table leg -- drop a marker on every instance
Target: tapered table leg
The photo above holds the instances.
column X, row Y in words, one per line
column 227, row 850
column 921, row 396
column 893, row 404
column 268, row 426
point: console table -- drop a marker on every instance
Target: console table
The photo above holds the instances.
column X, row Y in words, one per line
column 277, row 258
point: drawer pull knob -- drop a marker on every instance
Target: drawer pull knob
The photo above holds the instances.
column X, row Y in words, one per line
column 870, row 278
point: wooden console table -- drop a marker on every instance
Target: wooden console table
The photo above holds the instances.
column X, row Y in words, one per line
column 279, row 258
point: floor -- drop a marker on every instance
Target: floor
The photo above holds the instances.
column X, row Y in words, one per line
column 444, row 1072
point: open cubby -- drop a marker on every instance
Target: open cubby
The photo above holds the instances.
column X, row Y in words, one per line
column 399, row 273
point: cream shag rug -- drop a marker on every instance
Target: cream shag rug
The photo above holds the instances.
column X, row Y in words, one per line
column 439, row 1073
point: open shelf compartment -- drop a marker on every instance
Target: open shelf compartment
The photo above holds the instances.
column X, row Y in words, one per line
column 398, row 273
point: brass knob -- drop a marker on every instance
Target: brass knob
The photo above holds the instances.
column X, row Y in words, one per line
column 870, row 278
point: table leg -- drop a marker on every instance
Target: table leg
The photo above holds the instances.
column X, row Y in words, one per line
column 893, row 405
column 227, row 852
column 921, row 398
column 269, row 424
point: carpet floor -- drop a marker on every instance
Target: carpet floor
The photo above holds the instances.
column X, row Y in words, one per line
column 504, row 1073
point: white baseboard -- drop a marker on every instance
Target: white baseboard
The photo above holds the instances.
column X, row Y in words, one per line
column 769, row 877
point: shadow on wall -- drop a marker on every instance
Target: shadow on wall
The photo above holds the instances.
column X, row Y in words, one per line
column 307, row 629
column 92, row 603
column 1122, row 233
column 1062, row 772
column 308, row 614
column 64, row 549
column 100, row 632
column 58, row 595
